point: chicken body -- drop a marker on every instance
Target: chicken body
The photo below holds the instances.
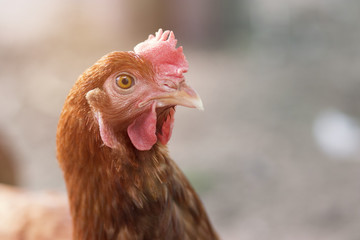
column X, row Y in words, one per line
column 26, row 215
column 111, row 145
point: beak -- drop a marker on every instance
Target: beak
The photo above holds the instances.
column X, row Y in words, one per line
column 183, row 96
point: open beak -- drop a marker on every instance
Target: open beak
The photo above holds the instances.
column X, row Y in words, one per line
column 184, row 96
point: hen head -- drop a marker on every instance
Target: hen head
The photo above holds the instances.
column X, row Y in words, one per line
column 138, row 91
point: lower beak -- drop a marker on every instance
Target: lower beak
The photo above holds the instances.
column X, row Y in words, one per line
column 184, row 96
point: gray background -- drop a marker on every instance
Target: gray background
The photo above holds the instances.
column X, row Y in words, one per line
column 275, row 154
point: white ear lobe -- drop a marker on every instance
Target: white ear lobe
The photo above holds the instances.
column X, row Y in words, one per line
column 96, row 99
column 106, row 132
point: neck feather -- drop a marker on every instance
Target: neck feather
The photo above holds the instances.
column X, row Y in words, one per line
column 110, row 190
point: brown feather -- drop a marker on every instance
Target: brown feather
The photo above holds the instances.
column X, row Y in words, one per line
column 122, row 193
column 33, row 215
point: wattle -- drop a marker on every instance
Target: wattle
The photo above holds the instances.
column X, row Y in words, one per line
column 142, row 132
column 167, row 127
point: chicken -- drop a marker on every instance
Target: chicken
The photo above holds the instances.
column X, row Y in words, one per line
column 26, row 215
column 7, row 163
column 111, row 146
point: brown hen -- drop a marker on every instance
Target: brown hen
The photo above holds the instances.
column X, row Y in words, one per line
column 111, row 145
column 26, row 215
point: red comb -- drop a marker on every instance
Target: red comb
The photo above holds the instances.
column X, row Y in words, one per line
column 161, row 50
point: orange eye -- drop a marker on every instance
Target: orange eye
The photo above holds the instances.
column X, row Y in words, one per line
column 124, row 81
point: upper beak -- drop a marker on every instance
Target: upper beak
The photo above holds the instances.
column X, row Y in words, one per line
column 184, row 96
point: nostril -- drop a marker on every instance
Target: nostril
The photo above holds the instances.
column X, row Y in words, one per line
column 169, row 85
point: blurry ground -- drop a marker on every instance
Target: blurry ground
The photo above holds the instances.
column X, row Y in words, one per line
column 275, row 154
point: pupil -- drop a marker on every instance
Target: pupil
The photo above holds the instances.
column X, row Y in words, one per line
column 125, row 81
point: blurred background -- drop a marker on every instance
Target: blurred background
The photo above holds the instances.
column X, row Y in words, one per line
column 275, row 154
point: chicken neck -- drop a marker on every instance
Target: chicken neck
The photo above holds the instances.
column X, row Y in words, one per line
column 113, row 191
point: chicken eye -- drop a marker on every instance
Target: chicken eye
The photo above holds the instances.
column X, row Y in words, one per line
column 124, row 81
